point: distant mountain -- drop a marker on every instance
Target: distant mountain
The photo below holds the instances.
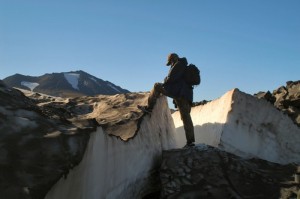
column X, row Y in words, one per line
column 68, row 84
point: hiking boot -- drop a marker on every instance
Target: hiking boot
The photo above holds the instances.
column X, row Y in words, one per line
column 145, row 109
column 189, row 145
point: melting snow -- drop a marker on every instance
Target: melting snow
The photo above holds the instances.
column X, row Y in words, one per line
column 72, row 78
column 95, row 80
column 30, row 85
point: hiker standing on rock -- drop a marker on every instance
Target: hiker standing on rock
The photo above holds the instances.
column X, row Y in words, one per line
column 176, row 87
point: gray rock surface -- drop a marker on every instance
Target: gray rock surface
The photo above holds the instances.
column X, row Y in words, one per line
column 207, row 172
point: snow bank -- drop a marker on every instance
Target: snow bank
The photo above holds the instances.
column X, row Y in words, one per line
column 112, row 168
column 209, row 118
column 30, row 85
column 246, row 126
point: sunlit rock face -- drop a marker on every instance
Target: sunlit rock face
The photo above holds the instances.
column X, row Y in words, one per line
column 85, row 147
column 244, row 125
column 208, row 172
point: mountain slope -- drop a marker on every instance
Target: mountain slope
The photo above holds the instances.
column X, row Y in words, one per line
column 69, row 84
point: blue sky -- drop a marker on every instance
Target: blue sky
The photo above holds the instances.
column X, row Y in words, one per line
column 253, row 45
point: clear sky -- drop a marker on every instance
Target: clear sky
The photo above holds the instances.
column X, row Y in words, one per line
column 253, row 45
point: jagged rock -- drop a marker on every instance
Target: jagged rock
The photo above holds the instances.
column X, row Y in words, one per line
column 35, row 151
column 44, row 138
column 207, row 172
column 200, row 103
column 266, row 95
column 293, row 89
column 284, row 98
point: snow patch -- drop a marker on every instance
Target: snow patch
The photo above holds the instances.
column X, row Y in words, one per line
column 94, row 79
column 30, row 85
column 113, row 87
column 72, row 78
column 208, row 121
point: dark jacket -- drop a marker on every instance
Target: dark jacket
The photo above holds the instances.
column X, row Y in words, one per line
column 174, row 83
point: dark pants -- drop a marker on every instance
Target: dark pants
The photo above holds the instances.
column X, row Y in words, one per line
column 184, row 108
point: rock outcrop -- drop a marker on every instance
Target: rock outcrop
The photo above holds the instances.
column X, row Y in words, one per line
column 37, row 147
column 207, row 172
column 80, row 144
column 285, row 98
column 246, row 126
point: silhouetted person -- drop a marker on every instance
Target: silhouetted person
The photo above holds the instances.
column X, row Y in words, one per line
column 174, row 86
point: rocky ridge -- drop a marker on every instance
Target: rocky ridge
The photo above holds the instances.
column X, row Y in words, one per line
column 285, row 98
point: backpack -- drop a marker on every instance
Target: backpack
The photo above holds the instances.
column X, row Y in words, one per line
column 192, row 75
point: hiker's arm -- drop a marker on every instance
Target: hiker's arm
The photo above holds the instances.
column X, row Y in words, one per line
column 175, row 73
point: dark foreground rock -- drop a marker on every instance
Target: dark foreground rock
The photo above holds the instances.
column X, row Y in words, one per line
column 36, row 147
column 207, row 172
column 285, row 98
column 42, row 137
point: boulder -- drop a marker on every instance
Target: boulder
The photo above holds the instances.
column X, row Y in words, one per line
column 285, row 98
column 266, row 95
column 207, row 172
